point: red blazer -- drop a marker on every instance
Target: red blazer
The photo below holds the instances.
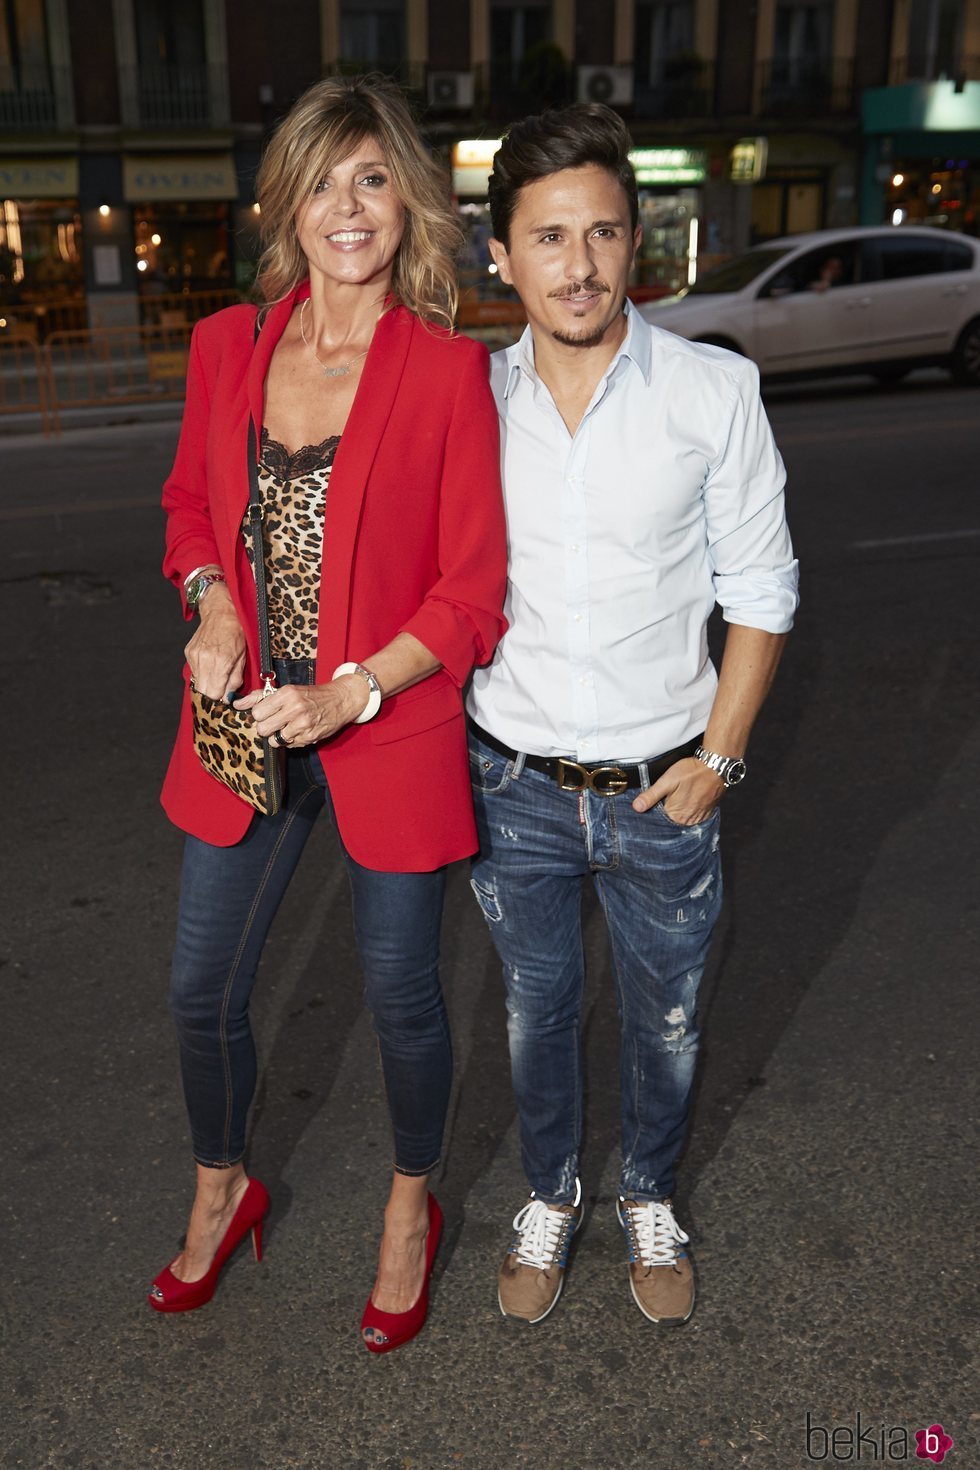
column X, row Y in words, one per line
column 413, row 541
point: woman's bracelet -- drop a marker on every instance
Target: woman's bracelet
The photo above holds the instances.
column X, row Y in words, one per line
column 374, row 698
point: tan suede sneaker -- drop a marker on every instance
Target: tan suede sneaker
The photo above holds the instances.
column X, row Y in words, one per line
column 533, row 1272
column 661, row 1275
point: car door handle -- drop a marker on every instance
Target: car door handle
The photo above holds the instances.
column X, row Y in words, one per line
column 861, row 301
column 959, row 290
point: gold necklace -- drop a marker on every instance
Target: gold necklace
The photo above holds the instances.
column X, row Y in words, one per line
column 328, row 372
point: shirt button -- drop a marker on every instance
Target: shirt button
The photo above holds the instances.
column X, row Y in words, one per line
column 584, row 679
column 578, row 617
column 576, row 548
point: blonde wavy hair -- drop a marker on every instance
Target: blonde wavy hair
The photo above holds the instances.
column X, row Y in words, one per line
column 327, row 123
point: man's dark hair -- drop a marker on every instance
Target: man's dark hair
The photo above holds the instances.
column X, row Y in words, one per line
column 569, row 137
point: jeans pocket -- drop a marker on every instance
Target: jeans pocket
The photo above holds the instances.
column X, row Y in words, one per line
column 490, row 772
column 661, row 811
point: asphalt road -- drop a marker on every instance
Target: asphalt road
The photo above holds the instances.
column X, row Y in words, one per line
column 831, row 1175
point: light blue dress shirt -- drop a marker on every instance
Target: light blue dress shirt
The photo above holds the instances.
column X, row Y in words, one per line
column 668, row 498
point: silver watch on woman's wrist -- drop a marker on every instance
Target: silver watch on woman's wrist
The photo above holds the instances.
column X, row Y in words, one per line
column 731, row 768
column 198, row 583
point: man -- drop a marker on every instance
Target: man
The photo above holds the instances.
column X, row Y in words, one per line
column 642, row 484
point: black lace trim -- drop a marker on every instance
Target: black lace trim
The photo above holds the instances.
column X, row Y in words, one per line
column 285, row 466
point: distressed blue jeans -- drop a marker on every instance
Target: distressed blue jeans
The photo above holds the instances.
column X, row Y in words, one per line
column 660, row 888
column 228, row 899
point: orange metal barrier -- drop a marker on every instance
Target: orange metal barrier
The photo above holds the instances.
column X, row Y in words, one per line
column 115, row 365
column 38, row 321
column 174, row 307
column 23, row 379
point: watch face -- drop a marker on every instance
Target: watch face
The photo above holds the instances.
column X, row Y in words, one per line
column 735, row 773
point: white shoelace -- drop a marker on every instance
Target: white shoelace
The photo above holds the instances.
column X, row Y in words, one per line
column 655, row 1232
column 539, row 1232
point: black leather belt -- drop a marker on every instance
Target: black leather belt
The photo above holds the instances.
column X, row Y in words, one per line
column 605, row 780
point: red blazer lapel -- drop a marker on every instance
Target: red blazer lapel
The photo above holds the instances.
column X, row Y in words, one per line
column 373, row 403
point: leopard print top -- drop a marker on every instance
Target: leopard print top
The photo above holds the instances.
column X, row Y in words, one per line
column 293, row 488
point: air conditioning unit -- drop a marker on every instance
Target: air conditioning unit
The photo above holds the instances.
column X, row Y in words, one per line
column 610, row 84
column 451, row 90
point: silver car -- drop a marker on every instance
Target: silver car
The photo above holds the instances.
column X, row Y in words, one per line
column 879, row 300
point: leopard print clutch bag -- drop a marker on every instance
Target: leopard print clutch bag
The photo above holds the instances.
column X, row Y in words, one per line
column 231, row 749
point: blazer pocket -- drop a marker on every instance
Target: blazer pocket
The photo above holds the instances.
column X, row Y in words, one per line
column 426, row 705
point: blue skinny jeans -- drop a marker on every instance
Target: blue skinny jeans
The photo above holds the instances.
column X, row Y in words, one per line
column 229, row 897
column 659, row 884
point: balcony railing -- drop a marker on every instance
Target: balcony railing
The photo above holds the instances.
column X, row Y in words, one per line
column 922, row 68
column 171, row 96
column 806, row 86
column 685, row 89
column 27, row 98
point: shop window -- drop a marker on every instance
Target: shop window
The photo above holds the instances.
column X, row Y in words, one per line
column 40, row 252
column 372, row 34
column 183, row 248
column 790, row 208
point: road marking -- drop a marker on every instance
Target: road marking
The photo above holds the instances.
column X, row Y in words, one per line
column 872, row 431
column 914, row 540
column 77, row 508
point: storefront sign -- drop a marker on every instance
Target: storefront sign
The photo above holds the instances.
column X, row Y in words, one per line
column 190, row 176
column 669, row 165
column 472, row 160
column 748, row 160
column 38, row 178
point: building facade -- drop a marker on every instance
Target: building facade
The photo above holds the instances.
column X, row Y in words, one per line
column 132, row 129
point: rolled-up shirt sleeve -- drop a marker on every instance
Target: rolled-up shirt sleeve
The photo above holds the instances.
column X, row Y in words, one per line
column 753, row 569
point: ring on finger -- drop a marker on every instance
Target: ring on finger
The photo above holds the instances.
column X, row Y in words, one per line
column 280, row 739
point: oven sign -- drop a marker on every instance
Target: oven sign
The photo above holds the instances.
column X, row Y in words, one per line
column 146, row 179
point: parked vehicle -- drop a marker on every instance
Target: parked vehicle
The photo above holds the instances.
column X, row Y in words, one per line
column 878, row 300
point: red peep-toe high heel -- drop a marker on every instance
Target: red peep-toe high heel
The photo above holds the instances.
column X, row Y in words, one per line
column 169, row 1294
column 401, row 1327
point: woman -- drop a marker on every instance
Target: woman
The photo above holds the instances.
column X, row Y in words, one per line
column 395, row 569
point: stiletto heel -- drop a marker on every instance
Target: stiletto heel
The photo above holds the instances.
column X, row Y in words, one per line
column 401, row 1327
column 169, row 1294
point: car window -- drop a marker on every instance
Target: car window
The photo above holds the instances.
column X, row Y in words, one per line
column 816, row 271
column 959, row 257
column 737, row 273
column 898, row 256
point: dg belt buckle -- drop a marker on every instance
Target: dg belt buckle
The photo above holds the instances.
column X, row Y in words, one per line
column 604, row 780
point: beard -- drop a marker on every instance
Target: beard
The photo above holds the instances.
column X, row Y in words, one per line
column 590, row 339
column 594, row 335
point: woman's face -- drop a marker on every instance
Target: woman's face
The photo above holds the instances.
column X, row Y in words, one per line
column 351, row 227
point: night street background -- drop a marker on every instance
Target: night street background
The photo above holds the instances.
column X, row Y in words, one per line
column 830, row 1181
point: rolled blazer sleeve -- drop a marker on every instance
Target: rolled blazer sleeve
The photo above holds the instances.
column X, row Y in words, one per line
column 190, row 538
column 754, row 572
column 460, row 621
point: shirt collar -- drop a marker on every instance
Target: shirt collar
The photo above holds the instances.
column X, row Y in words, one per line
column 636, row 346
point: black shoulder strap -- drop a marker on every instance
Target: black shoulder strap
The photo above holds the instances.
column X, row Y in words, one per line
column 267, row 673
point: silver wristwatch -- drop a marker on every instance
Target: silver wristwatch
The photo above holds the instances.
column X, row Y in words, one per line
column 198, row 585
column 731, row 768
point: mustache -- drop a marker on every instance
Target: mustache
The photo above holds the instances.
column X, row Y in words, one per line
column 566, row 291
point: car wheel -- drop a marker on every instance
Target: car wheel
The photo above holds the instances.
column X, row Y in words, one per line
column 966, row 355
column 890, row 377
